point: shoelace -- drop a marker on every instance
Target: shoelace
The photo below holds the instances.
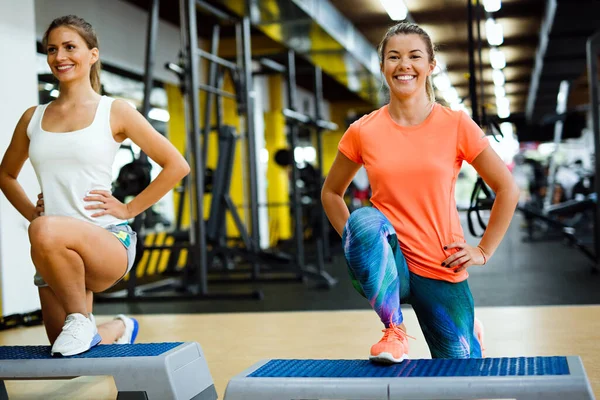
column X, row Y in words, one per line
column 397, row 331
column 73, row 326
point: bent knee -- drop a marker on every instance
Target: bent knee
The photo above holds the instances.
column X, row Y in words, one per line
column 368, row 221
column 42, row 233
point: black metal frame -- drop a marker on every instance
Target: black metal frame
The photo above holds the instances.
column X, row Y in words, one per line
column 593, row 50
column 294, row 120
column 472, row 76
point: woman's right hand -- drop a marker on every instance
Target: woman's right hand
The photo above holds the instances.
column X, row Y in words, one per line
column 39, row 207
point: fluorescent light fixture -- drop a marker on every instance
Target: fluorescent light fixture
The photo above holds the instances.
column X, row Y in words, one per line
column 493, row 32
column 492, row 5
column 498, row 77
column 442, row 82
column 497, row 58
column 499, row 91
column 503, row 107
column 502, row 102
column 158, row 114
column 503, row 113
column 396, row 9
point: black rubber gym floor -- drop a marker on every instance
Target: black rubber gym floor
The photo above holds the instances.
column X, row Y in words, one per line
column 519, row 274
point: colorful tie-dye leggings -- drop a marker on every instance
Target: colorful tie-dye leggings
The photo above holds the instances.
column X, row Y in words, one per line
column 379, row 272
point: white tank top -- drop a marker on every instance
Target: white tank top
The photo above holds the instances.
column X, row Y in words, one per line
column 68, row 165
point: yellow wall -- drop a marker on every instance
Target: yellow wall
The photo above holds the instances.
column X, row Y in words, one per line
column 278, row 184
column 338, row 114
column 177, row 136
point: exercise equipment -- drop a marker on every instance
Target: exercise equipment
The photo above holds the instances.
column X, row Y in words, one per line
column 522, row 378
column 152, row 371
column 26, row 319
column 592, row 50
column 192, row 281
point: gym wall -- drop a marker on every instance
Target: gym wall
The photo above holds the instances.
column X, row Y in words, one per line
column 18, row 79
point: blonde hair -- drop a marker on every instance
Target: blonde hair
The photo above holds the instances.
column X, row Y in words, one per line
column 87, row 33
column 408, row 28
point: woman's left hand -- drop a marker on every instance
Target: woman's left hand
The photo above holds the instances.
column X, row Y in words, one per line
column 107, row 203
column 465, row 257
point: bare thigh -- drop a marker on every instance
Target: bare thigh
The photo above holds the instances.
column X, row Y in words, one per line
column 53, row 312
column 104, row 256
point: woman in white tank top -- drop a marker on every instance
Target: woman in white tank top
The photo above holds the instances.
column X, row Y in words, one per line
column 80, row 240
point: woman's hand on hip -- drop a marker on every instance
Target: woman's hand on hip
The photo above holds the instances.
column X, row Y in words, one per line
column 39, row 207
column 465, row 257
column 107, row 204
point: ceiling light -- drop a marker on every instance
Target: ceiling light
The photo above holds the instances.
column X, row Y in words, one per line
column 499, row 91
column 502, row 102
column 503, row 107
column 492, row 5
column 498, row 77
column 493, row 32
column 497, row 58
column 396, row 9
column 503, row 113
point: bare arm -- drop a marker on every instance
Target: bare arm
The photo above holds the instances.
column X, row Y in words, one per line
column 493, row 171
column 332, row 195
column 133, row 125
column 12, row 163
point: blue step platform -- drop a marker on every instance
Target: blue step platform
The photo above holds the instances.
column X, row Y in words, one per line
column 523, row 378
column 158, row 371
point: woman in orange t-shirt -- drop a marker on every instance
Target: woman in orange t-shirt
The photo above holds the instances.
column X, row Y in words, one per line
column 409, row 247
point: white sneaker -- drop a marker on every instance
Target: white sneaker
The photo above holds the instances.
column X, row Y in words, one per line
column 79, row 334
column 131, row 330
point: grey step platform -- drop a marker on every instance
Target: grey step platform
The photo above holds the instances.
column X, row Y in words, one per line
column 523, row 378
column 161, row 371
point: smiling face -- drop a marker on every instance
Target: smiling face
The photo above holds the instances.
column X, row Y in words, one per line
column 406, row 65
column 69, row 56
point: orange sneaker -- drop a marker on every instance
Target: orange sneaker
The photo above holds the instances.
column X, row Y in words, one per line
column 393, row 346
column 479, row 334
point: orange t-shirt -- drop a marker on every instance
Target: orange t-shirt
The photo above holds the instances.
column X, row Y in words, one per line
column 413, row 172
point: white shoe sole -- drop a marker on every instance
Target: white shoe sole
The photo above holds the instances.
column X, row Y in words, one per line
column 97, row 339
column 387, row 358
